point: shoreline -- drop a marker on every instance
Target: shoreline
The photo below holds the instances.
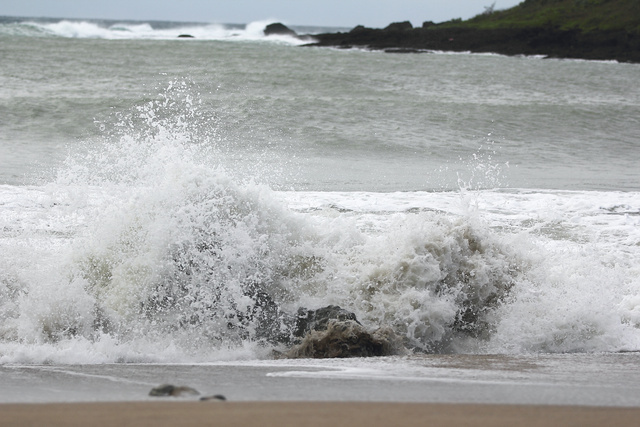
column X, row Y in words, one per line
column 311, row 414
column 591, row 380
column 611, row 45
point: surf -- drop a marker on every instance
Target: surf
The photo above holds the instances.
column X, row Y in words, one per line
column 149, row 246
column 139, row 30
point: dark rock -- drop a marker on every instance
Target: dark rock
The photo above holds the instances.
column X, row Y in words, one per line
column 332, row 331
column 318, row 320
column 278, row 29
column 186, row 36
column 172, row 390
column 269, row 322
column 427, row 24
column 402, row 50
column 399, row 26
column 214, row 398
column 346, row 338
column 329, row 331
column 359, row 28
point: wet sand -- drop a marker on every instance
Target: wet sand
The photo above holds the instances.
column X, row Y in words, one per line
column 429, row 390
column 370, row 414
column 593, row 380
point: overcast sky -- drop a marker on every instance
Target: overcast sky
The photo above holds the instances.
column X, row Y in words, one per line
column 341, row 13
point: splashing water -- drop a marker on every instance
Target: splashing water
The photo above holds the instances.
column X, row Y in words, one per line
column 154, row 250
column 113, row 30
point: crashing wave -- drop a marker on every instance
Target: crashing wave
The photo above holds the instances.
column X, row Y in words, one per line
column 165, row 253
column 111, row 30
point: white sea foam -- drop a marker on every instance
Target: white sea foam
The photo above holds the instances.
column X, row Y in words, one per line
column 253, row 31
column 568, row 295
column 147, row 248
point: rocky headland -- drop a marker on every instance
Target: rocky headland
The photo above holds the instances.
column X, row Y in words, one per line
column 580, row 29
column 549, row 42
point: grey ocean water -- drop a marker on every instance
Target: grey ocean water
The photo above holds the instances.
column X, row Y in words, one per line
column 378, row 122
column 486, row 208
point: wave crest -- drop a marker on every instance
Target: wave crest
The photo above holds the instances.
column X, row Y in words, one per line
column 253, row 31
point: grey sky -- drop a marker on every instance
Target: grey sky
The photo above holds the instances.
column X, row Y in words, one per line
column 346, row 13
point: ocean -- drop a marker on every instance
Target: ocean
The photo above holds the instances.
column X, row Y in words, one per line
column 154, row 189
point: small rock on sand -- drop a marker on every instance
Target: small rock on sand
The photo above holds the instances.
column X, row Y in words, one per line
column 172, row 390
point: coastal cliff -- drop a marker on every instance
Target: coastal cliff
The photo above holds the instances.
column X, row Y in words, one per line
column 585, row 29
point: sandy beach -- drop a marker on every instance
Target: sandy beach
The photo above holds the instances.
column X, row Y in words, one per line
column 572, row 380
column 310, row 414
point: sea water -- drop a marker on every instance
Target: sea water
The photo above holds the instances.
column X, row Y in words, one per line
column 474, row 204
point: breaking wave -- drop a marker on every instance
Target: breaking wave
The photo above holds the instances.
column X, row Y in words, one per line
column 113, row 30
column 154, row 250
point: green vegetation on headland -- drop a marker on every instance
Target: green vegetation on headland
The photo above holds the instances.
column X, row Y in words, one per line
column 586, row 29
column 583, row 15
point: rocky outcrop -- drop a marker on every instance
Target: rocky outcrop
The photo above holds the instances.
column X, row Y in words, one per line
column 318, row 320
column 278, row 28
column 345, row 338
column 399, row 26
column 325, row 332
column 332, row 331
column 618, row 45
